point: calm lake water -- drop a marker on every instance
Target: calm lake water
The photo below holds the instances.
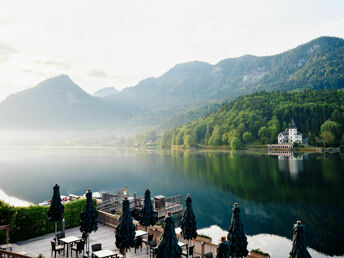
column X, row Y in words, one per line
column 272, row 192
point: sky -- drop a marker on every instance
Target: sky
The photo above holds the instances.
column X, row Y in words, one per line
column 111, row 43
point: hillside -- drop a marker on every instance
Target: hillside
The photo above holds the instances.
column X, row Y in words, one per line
column 184, row 93
column 105, row 92
column 259, row 117
column 57, row 103
column 317, row 64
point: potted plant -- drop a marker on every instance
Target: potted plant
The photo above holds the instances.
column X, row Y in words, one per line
column 257, row 253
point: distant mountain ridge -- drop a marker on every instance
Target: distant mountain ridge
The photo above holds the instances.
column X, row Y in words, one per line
column 180, row 94
column 56, row 103
column 317, row 64
column 105, row 92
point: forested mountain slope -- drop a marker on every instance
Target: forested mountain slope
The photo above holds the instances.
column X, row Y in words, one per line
column 261, row 116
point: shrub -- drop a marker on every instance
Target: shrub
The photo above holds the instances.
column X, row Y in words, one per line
column 6, row 213
column 3, row 237
column 258, row 251
column 204, row 236
column 29, row 222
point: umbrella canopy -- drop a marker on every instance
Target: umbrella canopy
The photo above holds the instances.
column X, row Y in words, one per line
column 147, row 217
column 236, row 235
column 299, row 249
column 125, row 232
column 56, row 209
column 168, row 247
column 188, row 223
column 89, row 216
column 223, row 249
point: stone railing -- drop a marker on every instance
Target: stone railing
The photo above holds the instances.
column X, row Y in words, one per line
column 202, row 245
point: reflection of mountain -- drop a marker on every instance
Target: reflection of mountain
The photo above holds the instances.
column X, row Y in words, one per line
column 271, row 201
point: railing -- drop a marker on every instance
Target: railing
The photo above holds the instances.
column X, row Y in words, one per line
column 202, row 245
column 173, row 200
column 8, row 254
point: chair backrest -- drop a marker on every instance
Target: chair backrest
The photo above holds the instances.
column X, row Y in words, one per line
column 138, row 241
column 153, row 243
column 53, row 246
column 80, row 245
column 96, row 247
column 60, row 235
column 84, row 236
column 208, row 255
column 150, row 237
column 191, row 248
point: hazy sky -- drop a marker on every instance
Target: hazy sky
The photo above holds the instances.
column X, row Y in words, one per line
column 118, row 43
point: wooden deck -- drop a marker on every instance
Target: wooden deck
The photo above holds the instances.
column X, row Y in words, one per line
column 104, row 235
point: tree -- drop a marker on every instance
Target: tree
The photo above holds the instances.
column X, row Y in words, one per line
column 327, row 137
column 330, row 126
column 264, row 134
column 235, row 143
column 247, row 137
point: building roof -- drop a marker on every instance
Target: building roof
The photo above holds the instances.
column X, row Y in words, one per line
column 292, row 124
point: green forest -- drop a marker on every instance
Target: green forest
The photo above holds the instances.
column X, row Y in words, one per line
column 257, row 119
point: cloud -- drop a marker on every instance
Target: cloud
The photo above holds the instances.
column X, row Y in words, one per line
column 53, row 63
column 6, row 51
column 97, row 74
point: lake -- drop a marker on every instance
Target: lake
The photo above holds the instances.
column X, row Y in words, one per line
column 273, row 192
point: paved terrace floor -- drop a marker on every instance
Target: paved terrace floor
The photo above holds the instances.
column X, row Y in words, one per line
column 104, row 235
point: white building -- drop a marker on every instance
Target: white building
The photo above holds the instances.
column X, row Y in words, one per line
column 290, row 135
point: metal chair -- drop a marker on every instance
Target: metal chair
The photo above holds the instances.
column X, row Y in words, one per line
column 138, row 243
column 150, row 238
column 56, row 248
column 208, row 255
column 191, row 248
column 78, row 248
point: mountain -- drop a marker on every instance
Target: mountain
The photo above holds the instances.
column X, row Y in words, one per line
column 184, row 93
column 57, row 103
column 260, row 116
column 317, row 64
column 105, row 92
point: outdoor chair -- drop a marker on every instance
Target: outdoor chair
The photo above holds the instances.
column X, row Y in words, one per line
column 78, row 248
column 96, row 247
column 56, row 248
column 150, row 238
column 208, row 255
column 191, row 248
column 153, row 251
column 138, row 243
column 59, row 236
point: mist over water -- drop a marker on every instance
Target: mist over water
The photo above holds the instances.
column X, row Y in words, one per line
column 273, row 193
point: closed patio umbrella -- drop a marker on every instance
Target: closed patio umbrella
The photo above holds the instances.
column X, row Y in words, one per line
column 299, row 249
column 147, row 217
column 56, row 209
column 125, row 232
column 236, row 235
column 88, row 219
column 188, row 223
column 168, row 247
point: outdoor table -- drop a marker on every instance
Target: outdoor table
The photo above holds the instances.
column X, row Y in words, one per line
column 181, row 244
column 139, row 233
column 104, row 254
column 69, row 241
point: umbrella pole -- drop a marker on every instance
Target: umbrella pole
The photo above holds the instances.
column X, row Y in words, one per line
column 147, row 238
column 88, row 246
column 187, row 251
column 55, row 232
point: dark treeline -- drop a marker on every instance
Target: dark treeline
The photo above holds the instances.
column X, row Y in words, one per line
column 258, row 118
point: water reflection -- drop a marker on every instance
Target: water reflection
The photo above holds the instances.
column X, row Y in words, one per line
column 291, row 164
column 271, row 199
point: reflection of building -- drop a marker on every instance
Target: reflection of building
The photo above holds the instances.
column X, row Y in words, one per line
column 291, row 164
column 290, row 135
